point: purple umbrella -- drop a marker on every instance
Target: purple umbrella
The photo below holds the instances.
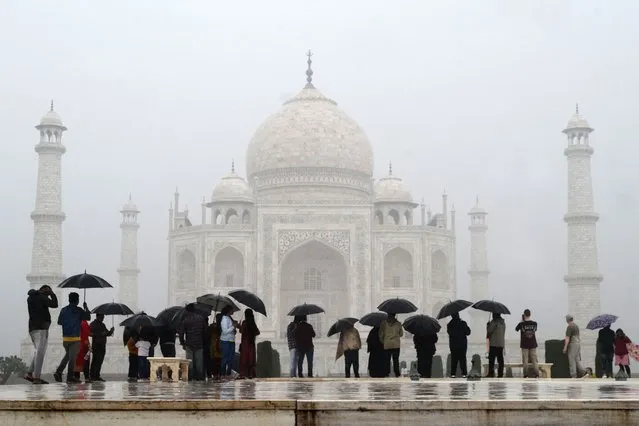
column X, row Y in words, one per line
column 601, row 321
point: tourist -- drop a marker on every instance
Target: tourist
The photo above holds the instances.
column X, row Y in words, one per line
column 390, row 334
column 228, row 328
column 528, row 343
column 495, row 335
column 206, row 349
column 38, row 304
column 622, row 358
column 304, row 335
column 143, row 345
column 606, row 350
column 167, row 342
column 83, row 359
column 99, row 334
column 194, row 327
column 248, row 358
column 376, row 356
column 425, row 348
column 350, row 344
column 70, row 318
column 572, row 348
column 458, row 332
column 133, row 354
column 215, row 348
column 290, row 339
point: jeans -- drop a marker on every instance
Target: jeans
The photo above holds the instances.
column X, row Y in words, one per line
column 351, row 358
column 574, row 359
column 606, row 363
column 228, row 357
column 97, row 358
column 495, row 352
column 458, row 357
column 309, row 362
column 293, row 365
column 197, row 362
column 529, row 356
column 143, row 368
column 133, row 366
column 71, row 350
column 39, row 339
column 392, row 354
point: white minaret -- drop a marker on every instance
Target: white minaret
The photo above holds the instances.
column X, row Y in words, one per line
column 46, row 254
column 583, row 276
column 478, row 271
column 128, row 271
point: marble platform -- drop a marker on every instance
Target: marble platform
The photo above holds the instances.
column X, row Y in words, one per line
column 326, row 402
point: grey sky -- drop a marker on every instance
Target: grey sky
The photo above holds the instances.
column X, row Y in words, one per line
column 466, row 96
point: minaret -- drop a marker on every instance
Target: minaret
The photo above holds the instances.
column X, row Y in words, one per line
column 478, row 270
column 46, row 255
column 128, row 271
column 583, row 276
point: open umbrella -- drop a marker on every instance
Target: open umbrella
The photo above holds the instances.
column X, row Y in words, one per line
column 453, row 307
column 112, row 309
column 600, row 321
column 84, row 281
column 397, row 306
column 341, row 325
column 140, row 320
column 249, row 299
column 491, row 306
column 217, row 302
column 374, row 319
column 305, row 309
column 421, row 325
column 171, row 317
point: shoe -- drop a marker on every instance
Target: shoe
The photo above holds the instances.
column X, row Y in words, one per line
column 132, row 380
column 39, row 382
column 73, row 381
column 99, row 379
column 58, row 377
column 28, row 378
column 452, row 376
column 464, row 376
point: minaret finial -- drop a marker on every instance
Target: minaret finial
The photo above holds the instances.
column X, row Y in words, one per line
column 129, row 197
column 233, row 166
column 477, row 200
column 51, row 104
column 309, row 70
column 390, row 168
column 577, row 108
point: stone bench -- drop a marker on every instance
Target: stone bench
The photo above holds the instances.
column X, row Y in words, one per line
column 179, row 368
column 544, row 368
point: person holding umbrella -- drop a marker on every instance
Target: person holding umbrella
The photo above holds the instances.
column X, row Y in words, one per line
column 495, row 336
column 228, row 328
column 70, row 318
column 99, row 334
column 304, row 334
column 390, row 334
column 458, row 332
column 349, row 345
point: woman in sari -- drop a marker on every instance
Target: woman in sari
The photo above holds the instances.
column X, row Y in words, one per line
column 82, row 360
column 248, row 358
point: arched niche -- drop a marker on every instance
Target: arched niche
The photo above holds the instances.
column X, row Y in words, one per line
column 398, row 269
column 229, row 268
column 439, row 270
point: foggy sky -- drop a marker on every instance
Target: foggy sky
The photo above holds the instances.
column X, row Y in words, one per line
column 470, row 97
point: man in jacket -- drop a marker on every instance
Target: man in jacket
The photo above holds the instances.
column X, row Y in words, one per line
column 390, row 334
column 350, row 344
column 495, row 336
column 99, row 332
column 304, row 334
column 194, row 326
column 606, row 350
column 458, row 332
column 425, row 348
column 70, row 318
column 38, row 304
column 290, row 339
column 528, row 343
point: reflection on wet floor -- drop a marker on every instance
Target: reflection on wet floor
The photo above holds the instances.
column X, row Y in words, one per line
column 371, row 390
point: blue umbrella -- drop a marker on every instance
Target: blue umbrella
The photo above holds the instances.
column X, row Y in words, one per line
column 601, row 321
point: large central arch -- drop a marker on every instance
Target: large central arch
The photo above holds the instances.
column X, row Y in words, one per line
column 314, row 273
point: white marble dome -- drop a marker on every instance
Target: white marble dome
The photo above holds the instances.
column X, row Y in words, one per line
column 130, row 206
column 577, row 121
column 232, row 187
column 51, row 118
column 392, row 189
column 309, row 131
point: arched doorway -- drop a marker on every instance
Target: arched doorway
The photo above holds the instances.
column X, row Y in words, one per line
column 229, row 268
column 186, row 269
column 398, row 269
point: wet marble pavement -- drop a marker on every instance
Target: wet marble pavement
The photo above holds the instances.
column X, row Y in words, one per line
column 332, row 390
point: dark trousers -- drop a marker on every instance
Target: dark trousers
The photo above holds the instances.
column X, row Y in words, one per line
column 458, row 356
column 143, row 368
column 425, row 363
column 625, row 368
column 308, row 354
column 97, row 359
column 392, row 355
column 606, row 363
column 133, row 366
column 168, row 350
column 351, row 358
column 495, row 352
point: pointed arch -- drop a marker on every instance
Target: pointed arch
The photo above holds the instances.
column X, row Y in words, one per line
column 231, row 216
column 394, row 216
column 408, row 217
column 246, row 217
column 186, row 269
column 229, row 268
column 439, row 270
column 218, row 217
column 379, row 216
column 398, row 269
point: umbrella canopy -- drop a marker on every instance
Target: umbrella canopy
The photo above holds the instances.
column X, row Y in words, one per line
column 305, row 309
column 341, row 325
column 171, row 317
column 250, row 300
column 84, row 281
column 491, row 306
column 374, row 319
column 217, row 302
column 600, row 321
column 421, row 325
column 453, row 307
column 112, row 309
column 397, row 306
column 140, row 320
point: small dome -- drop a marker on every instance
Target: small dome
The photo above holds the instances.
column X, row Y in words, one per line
column 577, row 121
column 477, row 209
column 232, row 187
column 130, row 207
column 51, row 118
column 392, row 189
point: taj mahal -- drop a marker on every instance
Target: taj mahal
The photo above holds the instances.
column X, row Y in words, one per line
column 310, row 222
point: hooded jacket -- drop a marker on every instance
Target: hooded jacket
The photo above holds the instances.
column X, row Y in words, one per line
column 390, row 333
column 38, row 304
column 496, row 331
column 70, row 318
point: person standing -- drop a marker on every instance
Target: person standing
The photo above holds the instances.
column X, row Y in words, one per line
column 131, row 340
column 304, row 334
column 495, row 334
column 99, row 334
column 376, row 356
column 572, row 348
column 390, row 334
column 227, row 341
column 216, row 350
column 70, row 318
column 167, row 342
column 349, row 344
column 528, row 343
column 622, row 359
column 606, row 350
column 458, row 332
column 248, row 356
column 290, row 338
column 425, row 348
column 143, row 346
column 38, row 304
column 83, row 359
column 194, row 327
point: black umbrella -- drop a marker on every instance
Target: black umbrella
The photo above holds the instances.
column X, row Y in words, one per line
column 84, row 281
column 397, row 306
column 249, row 299
column 171, row 317
column 112, row 309
column 421, row 325
column 305, row 309
column 491, row 306
column 374, row 319
column 217, row 302
column 453, row 307
column 341, row 325
column 140, row 320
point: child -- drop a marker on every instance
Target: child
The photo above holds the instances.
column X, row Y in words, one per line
column 83, row 359
column 215, row 350
column 133, row 359
column 143, row 346
column 622, row 358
